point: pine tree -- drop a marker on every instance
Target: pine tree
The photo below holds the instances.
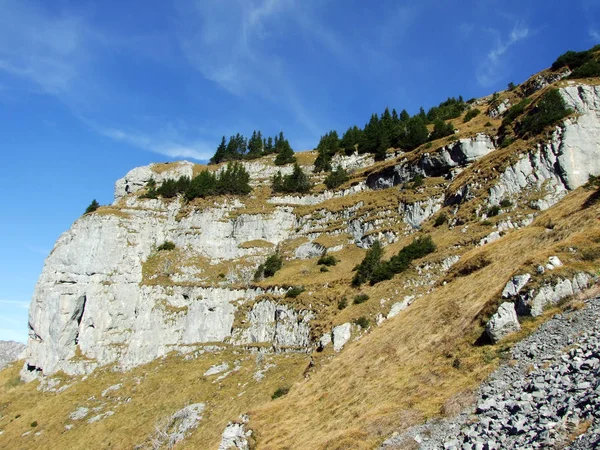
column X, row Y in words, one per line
column 92, row 207
column 328, row 146
column 285, row 154
column 220, row 153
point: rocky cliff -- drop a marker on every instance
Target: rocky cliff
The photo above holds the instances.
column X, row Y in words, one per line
column 106, row 295
column 10, row 351
column 332, row 364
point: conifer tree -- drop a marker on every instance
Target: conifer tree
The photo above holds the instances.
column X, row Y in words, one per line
column 285, row 154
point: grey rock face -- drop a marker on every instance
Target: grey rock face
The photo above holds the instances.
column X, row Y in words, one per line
column 567, row 161
column 175, row 428
column 309, row 250
column 503, row 322
column 10, row 351
column 435, row 164
column 414, row 214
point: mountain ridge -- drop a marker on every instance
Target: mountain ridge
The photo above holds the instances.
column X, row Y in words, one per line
column 113, row 305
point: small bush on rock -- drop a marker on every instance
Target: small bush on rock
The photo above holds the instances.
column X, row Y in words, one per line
column 92, row 207
column 167, row 245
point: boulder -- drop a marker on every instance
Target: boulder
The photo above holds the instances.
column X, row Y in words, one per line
column 341, row 335
column 515, row 285
column 503, row 322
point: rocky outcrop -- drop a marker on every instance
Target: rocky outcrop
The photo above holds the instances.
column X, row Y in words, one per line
column 280, row 325
column 235, row 436
column 440, row 163
column 534, row 301
column 10, row 351
column 414, row 214
column 136, row 179
column 564, row 163
column 514, row 286
column 503, row 322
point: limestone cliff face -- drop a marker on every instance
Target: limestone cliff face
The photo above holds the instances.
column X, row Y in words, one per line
column 107, row 296
column 10, row 351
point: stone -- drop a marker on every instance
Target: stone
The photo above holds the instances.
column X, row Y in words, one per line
column 235, row 437
column 341, row 335
column 398, row 307
column 324, row 341
column 217, row 368
column 114, row 387
column 503, row 322
column 554, row 261
column 514, row 286
column 79, row 413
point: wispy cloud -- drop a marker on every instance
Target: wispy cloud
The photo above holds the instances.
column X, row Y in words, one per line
column 231, row 42
column 594, row 35
column 491, row 70
column 172, row 146
column 44, row 49
column 17, row 303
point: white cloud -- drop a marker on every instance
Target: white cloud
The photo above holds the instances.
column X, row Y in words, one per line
column 230, row 42
column 17, row 303
column 595, row 35
column 490, row 70
column 168, row 144
column 47, row 50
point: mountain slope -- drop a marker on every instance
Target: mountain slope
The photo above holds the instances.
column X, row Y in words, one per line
column 125, row 332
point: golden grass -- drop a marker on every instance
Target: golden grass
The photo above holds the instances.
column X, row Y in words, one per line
column 407, row 363
column 157, row 390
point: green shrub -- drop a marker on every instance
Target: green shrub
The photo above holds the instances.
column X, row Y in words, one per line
column 280, row 392
column 34, row 424
column 572, row 59
column 294, row 292
column 417, row 181
column 285, row 154
column 588, row 70
column 336, row 178
column 488, row 124
column 324, row 269
column 399, row 263
column 505, row 203
column 327, row 260
column 441, row 129
column 368, row 265
column 511, row 86
column 507, row 141
column 342, row 303
column 472, row 113
column 167, row 245
column 269, row 267
column 360, row 298
column 440, row 220
column 362, row 322
column 493, row 211
column 550, row 109
column 486, row 223
column 93, row 207
column 515, row 111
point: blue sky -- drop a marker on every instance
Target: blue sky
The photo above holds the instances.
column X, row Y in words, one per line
column 89, row 90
